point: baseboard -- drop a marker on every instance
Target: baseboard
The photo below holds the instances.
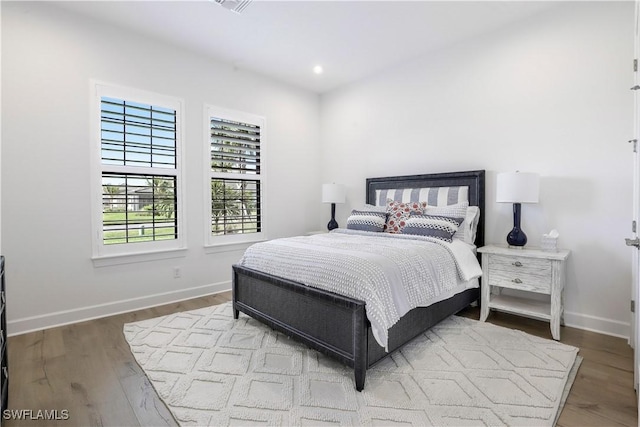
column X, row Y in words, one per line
column 66, row 317
column 597, row 324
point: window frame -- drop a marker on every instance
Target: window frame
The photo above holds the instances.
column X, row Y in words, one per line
column 134, row 251
column 232, row 241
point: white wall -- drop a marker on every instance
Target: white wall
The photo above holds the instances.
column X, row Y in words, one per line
column 548, row 95
column 48, row 57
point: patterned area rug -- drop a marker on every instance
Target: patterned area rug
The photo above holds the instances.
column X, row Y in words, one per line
column 212, row 370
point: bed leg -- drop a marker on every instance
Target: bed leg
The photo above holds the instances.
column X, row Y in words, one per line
column 234, row 293
column 360, row 374
column 360, row 347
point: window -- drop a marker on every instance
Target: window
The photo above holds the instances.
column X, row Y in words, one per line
column 235, row 147
column 139, row 194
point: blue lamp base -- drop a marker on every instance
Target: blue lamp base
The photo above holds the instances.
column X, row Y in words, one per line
column 516, row 237
column 333, row 223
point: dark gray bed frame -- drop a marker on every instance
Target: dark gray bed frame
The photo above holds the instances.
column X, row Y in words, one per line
column 337, row 325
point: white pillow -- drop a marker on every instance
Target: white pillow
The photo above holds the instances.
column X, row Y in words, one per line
column 471, row 224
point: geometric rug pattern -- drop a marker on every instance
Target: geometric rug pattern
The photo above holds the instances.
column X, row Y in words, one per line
column 210, row 369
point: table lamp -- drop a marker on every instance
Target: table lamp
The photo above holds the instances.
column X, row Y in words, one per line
column 333, row 193
column 517, row 187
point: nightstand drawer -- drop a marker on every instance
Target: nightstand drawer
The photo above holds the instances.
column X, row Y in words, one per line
column 520, row 264
column 529, row 274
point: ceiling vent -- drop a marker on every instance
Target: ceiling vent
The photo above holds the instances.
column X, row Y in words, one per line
column 236, row 6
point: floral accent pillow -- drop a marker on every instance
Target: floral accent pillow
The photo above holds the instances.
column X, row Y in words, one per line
column 399, row 212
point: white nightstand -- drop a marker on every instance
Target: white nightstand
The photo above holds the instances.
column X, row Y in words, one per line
column 528, row 269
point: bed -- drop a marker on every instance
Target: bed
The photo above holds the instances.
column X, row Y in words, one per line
column 337, row 325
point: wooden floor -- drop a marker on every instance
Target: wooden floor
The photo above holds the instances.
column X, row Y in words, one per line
column 88, row 370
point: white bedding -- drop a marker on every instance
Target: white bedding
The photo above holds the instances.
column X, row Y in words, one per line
column 392, row 273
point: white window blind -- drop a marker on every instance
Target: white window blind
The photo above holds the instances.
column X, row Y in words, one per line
column 135, row 134
column 235, row 147
column 139, row 172
column 138, row 207
column 235, row 172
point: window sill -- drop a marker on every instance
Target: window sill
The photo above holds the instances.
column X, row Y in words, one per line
column 230, row 247
column 109, row 260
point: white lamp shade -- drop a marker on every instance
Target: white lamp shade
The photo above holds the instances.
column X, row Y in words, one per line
column 333, row 193
column 517, row 187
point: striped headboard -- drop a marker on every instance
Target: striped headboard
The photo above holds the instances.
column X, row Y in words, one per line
column 438, row 189
column 435, row 196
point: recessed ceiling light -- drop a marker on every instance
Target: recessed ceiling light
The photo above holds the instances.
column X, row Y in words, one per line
column 318, row 69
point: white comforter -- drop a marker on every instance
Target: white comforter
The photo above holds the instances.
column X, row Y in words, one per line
column 391, row 273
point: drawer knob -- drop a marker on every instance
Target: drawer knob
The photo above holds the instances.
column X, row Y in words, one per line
column 517, row 264
column 517, row 281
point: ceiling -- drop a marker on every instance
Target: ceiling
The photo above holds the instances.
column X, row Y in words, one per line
column 286, row 39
